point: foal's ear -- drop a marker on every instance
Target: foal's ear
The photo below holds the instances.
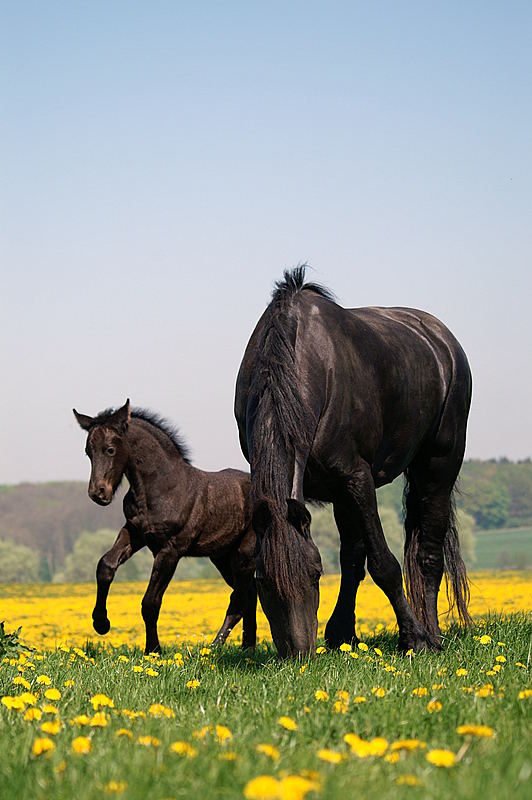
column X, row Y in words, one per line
column 298, row 516
column 262, row 517
column 84, row 421
column 123, row 416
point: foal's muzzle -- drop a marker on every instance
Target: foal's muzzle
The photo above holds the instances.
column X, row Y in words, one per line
column 102, row 494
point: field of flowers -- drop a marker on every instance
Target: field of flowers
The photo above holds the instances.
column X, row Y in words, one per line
column 84, row 716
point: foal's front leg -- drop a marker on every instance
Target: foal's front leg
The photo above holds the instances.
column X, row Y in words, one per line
column 164, row 566
column 127, row 543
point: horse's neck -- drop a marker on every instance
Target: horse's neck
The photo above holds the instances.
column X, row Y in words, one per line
column 154, row 465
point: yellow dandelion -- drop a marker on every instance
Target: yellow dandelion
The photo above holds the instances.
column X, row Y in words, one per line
column 33, row 713
column 296, row 787
column 378, row 691
column 434, row 706
column 524, row 694
column 302, row 668
column 321, row 696
column 28, row 698
column 345, row 647
column 51, row 727
column 482, row 731
column 14, row 703
column 158, row 710
column 151, row 672
column 148, row 741
column 138, row 669
column 485, row 639
column 407, row 744
column 331, row 756
column 99, row 720
column 363, row 646
column 115, row 787
column 47, row 708
column 183, row 749
column 378, row 651
column 485, row 691
column 205, row 651
column 441, row 758
column 44, row 680
column 41, row 746
column 124, row 732
column 123, row 659
column 501, row 659
column 420, row 691
column 359, row 699
column 268, row 750
column 288, row 723
column 263, row 787
column 461, row 671
column 392, row 758
column 52, row 694
column 408, row 780
column 68, row 683
column 222, row 733
column 193, row 684
column 320, row 650
column 81, row 745
column 100, row 701
column 81, row 719
column 340, row 707
column 353, row 654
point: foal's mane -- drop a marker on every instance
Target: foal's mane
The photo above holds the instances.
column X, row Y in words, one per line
column 154, row 419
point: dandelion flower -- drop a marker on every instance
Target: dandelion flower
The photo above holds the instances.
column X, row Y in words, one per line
column 295, row 787
column 14, row 703
column 363, row 646
column 99, row 720
column 441, row 758
column 52, row 694
column 115, row 787
column 320, row 650
column 345, row 647
column 485, row 639
column 183, row 749
column 100, row 701
column 193, row 684
column 264, row 787
column 359, row 699
column 408, row 780
column 268, row 750
column 44, row 679
column 420, row 691
column 41, row 746
column 288, row 723
column 148, row 741
column 461, row 671
column 407, row 744
column 151, row 672
column 20, row 681
column 51, row 727
column 81, row 745
column 321, row 695
column 124, row 732
column 33, row 713
column 483, row 731
column 222, row 733
column 331, row 756
column 434, row 706
column 524, row 694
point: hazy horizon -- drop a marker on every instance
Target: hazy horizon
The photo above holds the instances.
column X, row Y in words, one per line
column 162, row 165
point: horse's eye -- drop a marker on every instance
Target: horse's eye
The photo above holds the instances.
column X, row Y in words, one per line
column 111, row 451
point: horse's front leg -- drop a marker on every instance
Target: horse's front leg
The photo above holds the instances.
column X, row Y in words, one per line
column 164, row 566
column 127, row 543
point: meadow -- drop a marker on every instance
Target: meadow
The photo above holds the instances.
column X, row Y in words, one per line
column 85, row 716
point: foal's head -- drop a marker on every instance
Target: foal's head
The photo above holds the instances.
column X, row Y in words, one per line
column 107, row 449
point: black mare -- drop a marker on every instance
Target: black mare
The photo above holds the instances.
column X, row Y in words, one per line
column 330, row 404
column 174, row 509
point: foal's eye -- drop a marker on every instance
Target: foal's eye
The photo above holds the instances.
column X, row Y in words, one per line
column 111, row 451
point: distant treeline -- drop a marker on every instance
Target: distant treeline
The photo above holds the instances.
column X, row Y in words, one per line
column 44, row 528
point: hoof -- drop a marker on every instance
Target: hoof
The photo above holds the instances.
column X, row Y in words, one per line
column 101, row 625
column 420, row 640
column 335, row 637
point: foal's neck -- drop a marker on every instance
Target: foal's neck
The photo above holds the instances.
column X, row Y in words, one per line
column 155, row 466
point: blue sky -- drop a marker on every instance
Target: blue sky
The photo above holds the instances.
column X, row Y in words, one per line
column 162, row 163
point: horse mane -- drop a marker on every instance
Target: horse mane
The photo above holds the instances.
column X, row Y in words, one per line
column 283, row 424
column 162, row 424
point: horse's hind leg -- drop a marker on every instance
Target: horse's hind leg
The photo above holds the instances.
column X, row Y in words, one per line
column 127, row 543
column 243, row 599
column 341, row 625
column 382, row 564
column 432, row 539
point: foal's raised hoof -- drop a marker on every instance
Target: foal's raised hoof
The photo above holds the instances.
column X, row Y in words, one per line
column 101, row 625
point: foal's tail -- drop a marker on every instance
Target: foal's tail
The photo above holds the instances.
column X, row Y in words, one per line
column 457, row 583
column 282, row 427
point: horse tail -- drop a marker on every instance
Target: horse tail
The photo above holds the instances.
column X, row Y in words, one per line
column 456, row 580
column 280, row 427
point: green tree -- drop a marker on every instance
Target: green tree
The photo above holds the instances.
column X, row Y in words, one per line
column 80, row 564
column 489, row 503
column 18, row 564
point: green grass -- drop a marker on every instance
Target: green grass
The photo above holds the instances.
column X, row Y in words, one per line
column 508, row 548
column 249, row 693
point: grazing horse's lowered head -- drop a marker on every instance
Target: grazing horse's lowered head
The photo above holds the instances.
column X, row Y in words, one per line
column 107, row 449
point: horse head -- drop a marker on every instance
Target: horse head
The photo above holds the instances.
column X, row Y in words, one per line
column 107, row 449
column 288, row 571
